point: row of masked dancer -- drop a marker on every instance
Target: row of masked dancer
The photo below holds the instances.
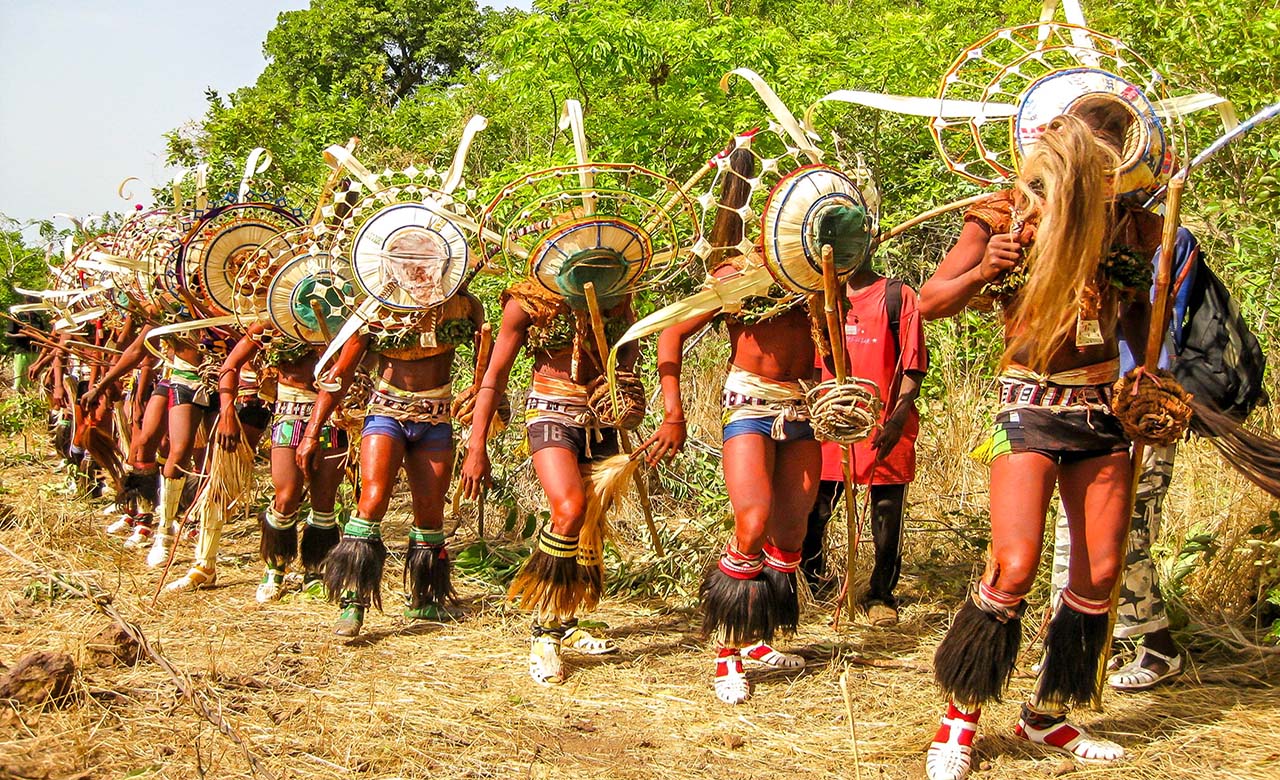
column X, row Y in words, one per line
column 1065, row 322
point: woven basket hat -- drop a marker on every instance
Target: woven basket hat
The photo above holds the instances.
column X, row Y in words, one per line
column 310, row 287
column 801, row 191
column 618, row 226
column 221, row 243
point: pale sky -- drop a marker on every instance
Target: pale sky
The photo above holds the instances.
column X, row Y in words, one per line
column 88, row 87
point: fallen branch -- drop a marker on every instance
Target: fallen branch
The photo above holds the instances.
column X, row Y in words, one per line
column 196, row 698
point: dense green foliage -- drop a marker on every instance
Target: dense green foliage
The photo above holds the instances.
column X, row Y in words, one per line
column 404, row 77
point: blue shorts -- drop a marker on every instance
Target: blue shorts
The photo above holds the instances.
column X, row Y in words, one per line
column 792, row 430
column 433, row 436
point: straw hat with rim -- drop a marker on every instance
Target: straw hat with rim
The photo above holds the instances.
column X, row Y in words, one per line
column 620, row 226
column 225, row 239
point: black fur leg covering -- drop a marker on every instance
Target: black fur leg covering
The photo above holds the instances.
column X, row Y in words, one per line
column 356, row 563
column 427, row 572
column 551, row 582
column 140, row 490
column 780, row 567
column 975, row 661
column 1072, row 651
column 317, row 541
column 739, row 606
column 278, row 545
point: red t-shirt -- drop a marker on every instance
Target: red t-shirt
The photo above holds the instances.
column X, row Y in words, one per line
column 869, row 344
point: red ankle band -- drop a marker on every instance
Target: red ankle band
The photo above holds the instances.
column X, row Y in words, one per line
column 1083, row 605
column 785, row 561
column 739, row 565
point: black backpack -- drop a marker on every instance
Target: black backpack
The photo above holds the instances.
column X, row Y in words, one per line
column 1219, row 359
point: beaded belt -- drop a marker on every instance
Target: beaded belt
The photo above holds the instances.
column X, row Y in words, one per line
column 1017, row 392
column 409, row 409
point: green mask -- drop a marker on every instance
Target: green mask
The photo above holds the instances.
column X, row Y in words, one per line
column 605, row 267
column 847, row 231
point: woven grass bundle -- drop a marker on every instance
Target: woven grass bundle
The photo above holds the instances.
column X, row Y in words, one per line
column 620, row 403
column 844, row 413
column 1152, row 407
column 229, row 490
column 230, row 485
column 604, row 481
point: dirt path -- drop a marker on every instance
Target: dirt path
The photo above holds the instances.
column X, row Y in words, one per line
column 453, row 700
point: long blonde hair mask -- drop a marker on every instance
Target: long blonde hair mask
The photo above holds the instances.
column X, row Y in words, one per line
column 1065, row 181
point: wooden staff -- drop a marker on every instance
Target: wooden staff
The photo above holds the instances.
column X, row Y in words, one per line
column 602, row 348
column 1161, row 309
column 835, row 335
column 322, row 323
column 484, row 350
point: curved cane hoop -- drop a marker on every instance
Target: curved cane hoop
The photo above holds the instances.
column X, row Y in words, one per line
column 258, row 162
column 781, row 113
column 124, row 193
column 339, row 157
column 453, row 176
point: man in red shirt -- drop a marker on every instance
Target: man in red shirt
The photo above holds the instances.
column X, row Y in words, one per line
column 884, row 338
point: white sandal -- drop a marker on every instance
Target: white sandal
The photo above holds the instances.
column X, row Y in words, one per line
column 1136, row 676
column 579, row 639
column 762, row 653
column 950, row 760
column 544, row 661
column 196, row 578
column 1072, row 740
column 731, row 680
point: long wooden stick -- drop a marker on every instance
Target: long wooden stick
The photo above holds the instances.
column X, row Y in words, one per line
column 835, row 335
column 321, row 322
column 1161, row 308
column 853, row 723
column 484, row 349
column 903, row 227
column 602, row 348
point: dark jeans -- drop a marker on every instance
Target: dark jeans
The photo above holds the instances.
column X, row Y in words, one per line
column 888, row 503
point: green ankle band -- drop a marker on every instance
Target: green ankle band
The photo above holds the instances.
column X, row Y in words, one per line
column 426, row 535
column 281, row 522
column 360, row 528
column 323, row 519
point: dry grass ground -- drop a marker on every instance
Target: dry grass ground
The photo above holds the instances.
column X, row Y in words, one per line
column 453, row 700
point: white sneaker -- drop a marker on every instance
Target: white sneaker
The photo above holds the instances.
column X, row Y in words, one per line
column 139, row 539
column 158, row 555
column 121, row 526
